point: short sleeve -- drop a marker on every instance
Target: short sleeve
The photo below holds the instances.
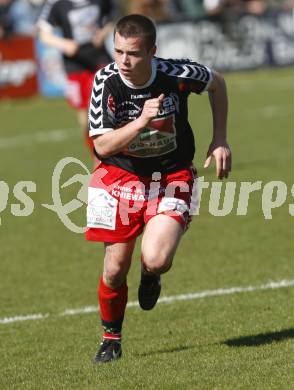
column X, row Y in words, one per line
column 191, row 76
column 195, row 77
column 49, row 14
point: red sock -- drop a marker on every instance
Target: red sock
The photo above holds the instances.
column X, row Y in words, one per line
column 112, row 308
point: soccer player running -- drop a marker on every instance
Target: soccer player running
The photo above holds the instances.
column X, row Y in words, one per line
column 138, row 118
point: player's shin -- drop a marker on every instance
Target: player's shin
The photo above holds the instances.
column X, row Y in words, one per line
column 112, row 308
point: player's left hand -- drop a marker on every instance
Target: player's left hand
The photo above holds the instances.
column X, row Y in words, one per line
column 101, row 34
column 223, row 158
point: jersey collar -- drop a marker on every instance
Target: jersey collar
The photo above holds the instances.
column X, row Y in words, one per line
column 148, row 83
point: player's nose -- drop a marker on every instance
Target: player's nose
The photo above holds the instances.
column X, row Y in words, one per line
column 125, row 59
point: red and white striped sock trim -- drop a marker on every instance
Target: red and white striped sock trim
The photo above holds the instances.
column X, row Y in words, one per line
column 112, row 336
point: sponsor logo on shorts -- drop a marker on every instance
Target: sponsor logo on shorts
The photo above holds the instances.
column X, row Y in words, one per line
column 128, row 193
column 101, row 209
column 179, row 206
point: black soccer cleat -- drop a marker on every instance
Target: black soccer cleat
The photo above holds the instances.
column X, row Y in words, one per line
column 109, row 350
column 149, row 290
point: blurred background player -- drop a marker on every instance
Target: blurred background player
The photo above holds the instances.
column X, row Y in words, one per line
column 84, row 26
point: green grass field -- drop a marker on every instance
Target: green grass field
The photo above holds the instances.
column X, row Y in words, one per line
column 240, row 340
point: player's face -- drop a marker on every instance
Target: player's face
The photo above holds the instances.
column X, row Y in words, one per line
column 133, row 59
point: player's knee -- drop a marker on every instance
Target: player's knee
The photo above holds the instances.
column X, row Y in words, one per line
column 114, row 276
column 157, row 263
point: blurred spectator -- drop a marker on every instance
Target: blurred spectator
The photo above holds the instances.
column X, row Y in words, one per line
column 24, row 14
column 255, row 7
column 84, row 25
column 179, row 9
column 158, row 10
column 282, row 5
column 218, row 7
column 6, row 22
column 189, row 9
column 214, row 7
column 235, row 7
column 18, row 16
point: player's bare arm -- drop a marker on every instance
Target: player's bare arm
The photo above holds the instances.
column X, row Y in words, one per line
column 219, row 148
column 114, row 142
column 68, row 46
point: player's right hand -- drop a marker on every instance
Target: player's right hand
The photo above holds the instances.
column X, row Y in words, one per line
column 151, row 109
column 70, row 47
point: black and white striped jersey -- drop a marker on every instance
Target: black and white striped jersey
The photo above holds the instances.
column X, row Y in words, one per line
column 167, row 144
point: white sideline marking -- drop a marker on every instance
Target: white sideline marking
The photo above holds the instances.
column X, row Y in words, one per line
column 39, row 137
column 29, row 317
column 170, row 299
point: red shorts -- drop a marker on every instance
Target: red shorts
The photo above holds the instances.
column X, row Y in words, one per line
column 120, row 203
column 79, row 87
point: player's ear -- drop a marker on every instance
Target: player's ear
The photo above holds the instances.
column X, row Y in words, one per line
column 153, row 50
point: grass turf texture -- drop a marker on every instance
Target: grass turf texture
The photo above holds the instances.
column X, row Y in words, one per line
column 236, row 341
